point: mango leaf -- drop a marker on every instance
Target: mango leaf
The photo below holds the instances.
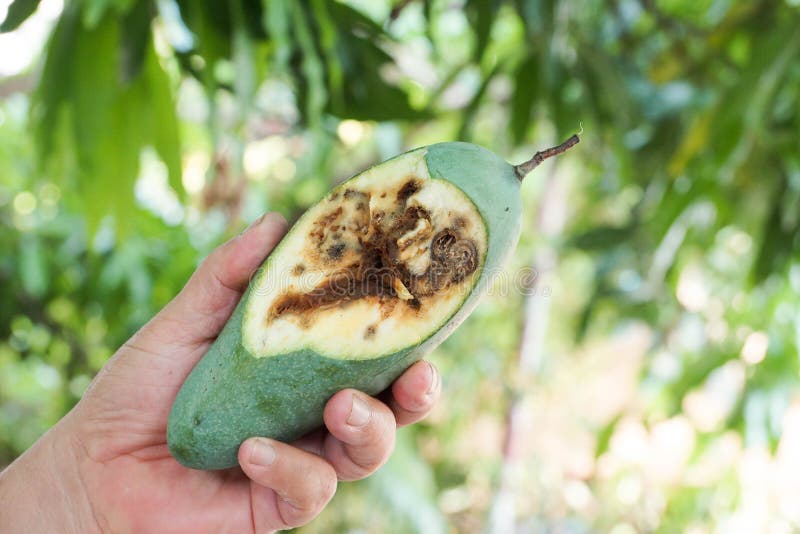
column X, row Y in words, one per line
column 246, row 82
column 347, row 17
column 537, row 15
column 366, row 95
column 778, row 239
column 18, row 12
column 107, row 122
column 526, row 91
column 604, row 436
column 693, row 143
column 276, row 21
column 481, row 15
column 210, row 23
column 610, row 82
column 474, row 104
column 602, row 237
column 315, row 96
column 164, row 133
column 134, row 40
column 427, row 10
column 328, row 40
column 741, row 112
column 95, row 10
column 49, row 96
column 587, row 313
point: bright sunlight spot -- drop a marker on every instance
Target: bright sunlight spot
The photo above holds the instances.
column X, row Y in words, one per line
column 755, row 348
column 25, row 203
column 350, row 131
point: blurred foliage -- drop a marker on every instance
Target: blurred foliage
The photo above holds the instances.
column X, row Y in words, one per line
column 650, row 379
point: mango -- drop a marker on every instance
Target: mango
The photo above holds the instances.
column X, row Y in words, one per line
column 368, row 281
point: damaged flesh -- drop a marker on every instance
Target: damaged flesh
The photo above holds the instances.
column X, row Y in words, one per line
column 372, row 263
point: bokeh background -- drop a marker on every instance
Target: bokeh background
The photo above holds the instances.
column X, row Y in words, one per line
column 644, row 376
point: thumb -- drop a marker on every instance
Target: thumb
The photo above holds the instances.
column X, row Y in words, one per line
column 198, row 313
column 136, row 387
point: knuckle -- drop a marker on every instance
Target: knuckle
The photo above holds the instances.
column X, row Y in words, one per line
column 422, row 402
column 320, row 489
column 292, row 515
column 327, row 486
column 376, row 437
column 416, row 399
column 384, row 423
column 365, row 460
column 355, row 471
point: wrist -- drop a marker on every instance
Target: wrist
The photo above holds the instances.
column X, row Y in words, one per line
column 42, row 491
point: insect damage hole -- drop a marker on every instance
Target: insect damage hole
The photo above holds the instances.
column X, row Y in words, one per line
column 464, row 256
column 442, row 243
column 452, row 255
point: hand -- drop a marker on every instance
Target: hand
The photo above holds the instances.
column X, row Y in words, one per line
column 105, row 466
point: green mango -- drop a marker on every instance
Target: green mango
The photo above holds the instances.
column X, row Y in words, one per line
column 368, row 281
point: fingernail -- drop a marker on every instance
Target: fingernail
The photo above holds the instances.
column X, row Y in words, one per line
column 434, row 379
column 359, row 412
column 262, row 453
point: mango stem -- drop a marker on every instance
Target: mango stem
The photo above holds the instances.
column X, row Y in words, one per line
column 524, row 168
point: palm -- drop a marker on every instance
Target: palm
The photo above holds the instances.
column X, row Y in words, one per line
column 121, row 423
column 127, row 436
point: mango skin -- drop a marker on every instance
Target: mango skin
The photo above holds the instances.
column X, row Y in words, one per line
column 230, row 395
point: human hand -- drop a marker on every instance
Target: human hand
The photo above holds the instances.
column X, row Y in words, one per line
column 106, row 467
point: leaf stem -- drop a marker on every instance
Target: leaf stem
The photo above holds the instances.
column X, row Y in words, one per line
column 524, row 168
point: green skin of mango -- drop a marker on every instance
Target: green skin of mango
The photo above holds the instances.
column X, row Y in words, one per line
column 231, row 395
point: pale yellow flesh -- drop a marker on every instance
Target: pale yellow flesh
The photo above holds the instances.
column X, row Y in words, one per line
column 368, row 326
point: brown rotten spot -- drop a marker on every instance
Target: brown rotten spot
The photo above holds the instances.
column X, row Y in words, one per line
column 380, row 269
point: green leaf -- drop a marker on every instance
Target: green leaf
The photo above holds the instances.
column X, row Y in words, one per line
column 95, row 10
column 18, row 12
column 164, row 127
column 609, row 78
column 56, row 81
column 365, row 95
column 474, row 104
column 481, row 15
column 277, row 20
column 135, row 38
column 778, row 239
column 210, row 23
column 106, row 170
column 604, row 436
column 526, row 91
column 355, row 21
column 537, row 16
column 245, row 83
column 742, row 110
column 311, row 66
column 108, row 122
column 602, row 237
column 328, row 40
